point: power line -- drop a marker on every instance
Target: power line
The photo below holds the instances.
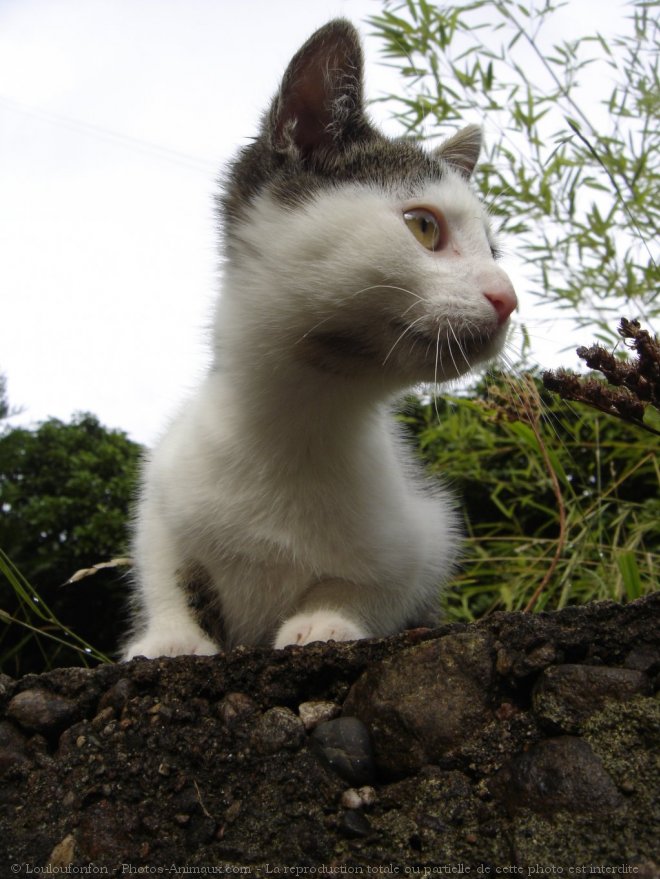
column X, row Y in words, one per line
column 125, row 140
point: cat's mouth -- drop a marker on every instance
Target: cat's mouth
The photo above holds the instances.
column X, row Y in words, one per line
column 453, row 342
column 419, row 352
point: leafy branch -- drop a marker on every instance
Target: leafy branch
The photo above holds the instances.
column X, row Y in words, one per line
column 576, row 183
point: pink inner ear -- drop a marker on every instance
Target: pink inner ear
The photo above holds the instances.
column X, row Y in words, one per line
column 462, row 149
column 325, row 73
column 309, row 107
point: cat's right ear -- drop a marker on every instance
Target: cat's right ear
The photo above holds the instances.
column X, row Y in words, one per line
column 462, row 149
column 320, row 102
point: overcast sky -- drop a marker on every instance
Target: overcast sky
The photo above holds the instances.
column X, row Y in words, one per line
column 115, row 119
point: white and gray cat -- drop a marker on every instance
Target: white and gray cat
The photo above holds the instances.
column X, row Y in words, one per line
column 282, row 506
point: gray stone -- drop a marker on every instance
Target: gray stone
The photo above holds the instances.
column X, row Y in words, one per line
column 117, row 695
column 344, row 745
column 426, row 702
column 643, row 657
column 42, row 711
column 358, row 798
column 313, row 713
column 558, row 774
column 278, row 728
column 235, row 708
column 354, row 824
column 566, row 695
column 6, row 684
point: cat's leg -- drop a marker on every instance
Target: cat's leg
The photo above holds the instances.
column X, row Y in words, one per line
column 170, row 627
column 333, row 610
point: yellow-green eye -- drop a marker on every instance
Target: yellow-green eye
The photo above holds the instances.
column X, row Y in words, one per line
column 427, row 227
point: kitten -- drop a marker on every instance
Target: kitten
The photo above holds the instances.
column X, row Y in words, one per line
column 282, row 506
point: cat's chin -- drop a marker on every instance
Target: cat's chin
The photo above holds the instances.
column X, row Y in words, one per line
column 447, row 355
column 404, row 352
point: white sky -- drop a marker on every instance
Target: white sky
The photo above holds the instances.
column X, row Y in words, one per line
column 116, row 117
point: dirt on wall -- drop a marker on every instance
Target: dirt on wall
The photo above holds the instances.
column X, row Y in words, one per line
column 521, row 745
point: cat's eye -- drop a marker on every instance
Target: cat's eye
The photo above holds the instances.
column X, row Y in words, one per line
column 428, row 228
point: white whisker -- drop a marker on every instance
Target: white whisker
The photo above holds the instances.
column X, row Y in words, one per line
column 460, row 347
column 438, row 356
column 451, row 354
column 352, row 296
column 407, row 329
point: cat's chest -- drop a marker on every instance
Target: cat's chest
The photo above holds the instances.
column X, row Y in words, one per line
column 245, row 513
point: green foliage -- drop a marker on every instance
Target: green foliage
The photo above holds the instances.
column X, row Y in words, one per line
column 65, row 493
column 37, row 625
column 4, row 402
column 577, row 186
column 561, row 505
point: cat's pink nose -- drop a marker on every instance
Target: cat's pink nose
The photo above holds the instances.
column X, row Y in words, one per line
column 504, row 300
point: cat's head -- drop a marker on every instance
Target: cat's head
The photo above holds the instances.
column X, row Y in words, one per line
column 356, row 253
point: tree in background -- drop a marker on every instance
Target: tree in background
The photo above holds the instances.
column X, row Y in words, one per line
column 561, row 505
column 65, row 495
column 4, row 402
column 576, row 187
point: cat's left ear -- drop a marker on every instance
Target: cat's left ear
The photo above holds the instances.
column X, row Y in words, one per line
column 320, row 102
column 462, row 149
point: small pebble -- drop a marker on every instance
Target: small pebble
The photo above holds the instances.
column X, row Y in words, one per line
column 235, row 707
column 358, row 798
column 506, row 711
column 313, row 713
column 278, row 729
column 351, row 799
column 103, row 717
column 118, row 695
column 233, row 811
column 63, row 855
column 368, row 795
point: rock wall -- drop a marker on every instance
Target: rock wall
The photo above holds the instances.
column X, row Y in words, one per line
column 521, row 745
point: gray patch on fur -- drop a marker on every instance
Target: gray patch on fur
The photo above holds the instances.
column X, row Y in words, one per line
column 317, row 136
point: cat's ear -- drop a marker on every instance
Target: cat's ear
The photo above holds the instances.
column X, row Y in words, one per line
column 462, row 149
column 320, row 101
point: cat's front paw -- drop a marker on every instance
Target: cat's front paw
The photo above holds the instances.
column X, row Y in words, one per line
column 171, row 643
column 320, row 625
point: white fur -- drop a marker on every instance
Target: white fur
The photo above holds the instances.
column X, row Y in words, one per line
column 285, row 478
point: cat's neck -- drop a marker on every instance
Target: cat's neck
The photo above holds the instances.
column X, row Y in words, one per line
column 299, row 418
